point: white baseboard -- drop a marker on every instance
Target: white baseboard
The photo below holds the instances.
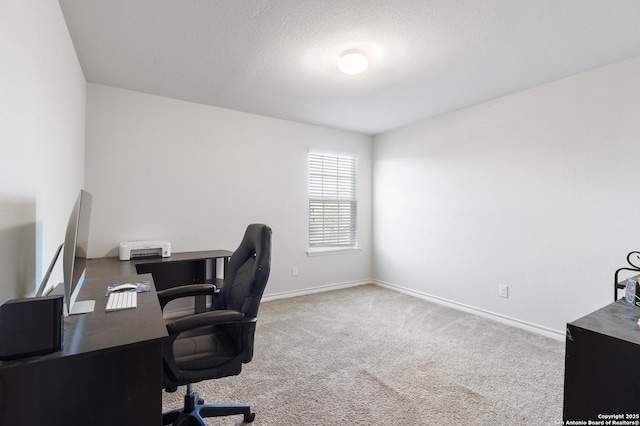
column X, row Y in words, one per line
column 534, row 328
column 275, row 296
column 548, row 332
column 303, row 292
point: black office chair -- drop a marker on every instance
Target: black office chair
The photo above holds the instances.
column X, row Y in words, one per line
column 216, row 343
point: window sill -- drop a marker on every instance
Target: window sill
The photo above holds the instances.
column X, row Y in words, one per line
column 324, row 251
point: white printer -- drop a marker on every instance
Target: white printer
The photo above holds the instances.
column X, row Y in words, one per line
column 142, row 249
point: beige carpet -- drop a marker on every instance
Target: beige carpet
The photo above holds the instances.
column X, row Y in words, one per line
column 371, row 356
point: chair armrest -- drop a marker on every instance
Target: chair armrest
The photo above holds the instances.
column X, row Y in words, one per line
column 206, row 319
column 166, row 296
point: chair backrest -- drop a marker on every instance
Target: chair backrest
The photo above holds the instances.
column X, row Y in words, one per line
column 247, row 272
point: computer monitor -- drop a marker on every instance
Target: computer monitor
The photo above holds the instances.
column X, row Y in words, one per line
column 75, row 255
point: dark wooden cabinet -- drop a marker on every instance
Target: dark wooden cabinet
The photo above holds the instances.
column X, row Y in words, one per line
column 602, row 365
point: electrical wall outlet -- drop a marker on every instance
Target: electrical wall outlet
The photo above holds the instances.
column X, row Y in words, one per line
column 503, row 290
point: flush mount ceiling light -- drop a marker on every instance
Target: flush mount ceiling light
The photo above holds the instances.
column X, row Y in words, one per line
column 353, row 62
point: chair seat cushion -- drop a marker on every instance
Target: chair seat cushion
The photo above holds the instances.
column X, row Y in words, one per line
column 202, row 349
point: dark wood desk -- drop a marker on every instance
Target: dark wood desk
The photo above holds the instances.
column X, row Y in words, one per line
column 105, row 267
column 109, row 371
column 602, row 376
column 178, row 269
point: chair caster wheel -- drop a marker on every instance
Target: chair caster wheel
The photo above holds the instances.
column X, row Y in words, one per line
column 248, row 418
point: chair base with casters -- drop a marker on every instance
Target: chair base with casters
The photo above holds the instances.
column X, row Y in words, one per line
column 195, row 410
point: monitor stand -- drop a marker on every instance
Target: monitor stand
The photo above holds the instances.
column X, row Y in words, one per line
column 81, row 307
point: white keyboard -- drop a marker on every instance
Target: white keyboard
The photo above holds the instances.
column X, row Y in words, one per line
column 122, row 300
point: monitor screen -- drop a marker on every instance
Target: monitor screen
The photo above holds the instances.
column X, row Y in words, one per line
column 75, row 254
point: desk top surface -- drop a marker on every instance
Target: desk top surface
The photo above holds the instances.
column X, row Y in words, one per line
column 100, row 330
column 618, row 320
column 104, row 267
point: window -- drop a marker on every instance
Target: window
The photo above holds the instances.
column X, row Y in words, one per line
column 333, row 203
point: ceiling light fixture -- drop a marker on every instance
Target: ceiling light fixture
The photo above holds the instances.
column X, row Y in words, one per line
column 353, row 62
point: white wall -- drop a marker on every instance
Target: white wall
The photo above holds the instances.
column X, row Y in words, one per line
column 537, row 190
column 42, row 101
column 198, row 175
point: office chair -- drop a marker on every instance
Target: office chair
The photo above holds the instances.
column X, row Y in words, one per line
column 216, row 343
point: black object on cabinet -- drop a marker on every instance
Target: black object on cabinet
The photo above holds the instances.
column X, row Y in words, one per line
column 602, row 365
column 31, row 326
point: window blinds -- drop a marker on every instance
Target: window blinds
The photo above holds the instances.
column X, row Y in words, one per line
column 332, row 200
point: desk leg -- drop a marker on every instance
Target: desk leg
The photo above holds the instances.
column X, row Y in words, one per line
column 201, row 302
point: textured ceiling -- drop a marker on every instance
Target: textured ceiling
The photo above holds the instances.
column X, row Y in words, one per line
column 278, row 58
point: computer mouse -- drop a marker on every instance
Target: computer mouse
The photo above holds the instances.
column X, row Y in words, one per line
column 123, row 287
